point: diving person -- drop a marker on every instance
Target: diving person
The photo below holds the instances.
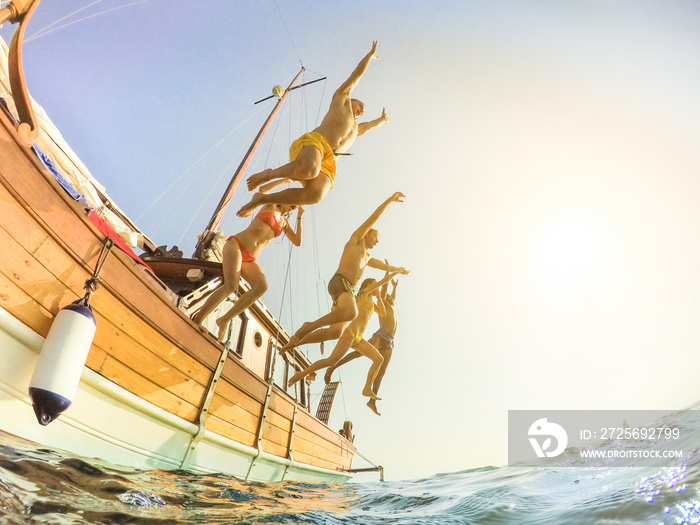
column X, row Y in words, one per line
column 239, row 260
column 353, row 336
column 342, row 285
column 312, row 156
column 382, row 340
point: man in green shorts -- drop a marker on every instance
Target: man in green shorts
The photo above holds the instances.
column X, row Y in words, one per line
column 341, row 287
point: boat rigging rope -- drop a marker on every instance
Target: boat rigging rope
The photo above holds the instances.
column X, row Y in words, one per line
column 45, row 31
column 279, row 327
column 318, row 115
column 365, row 458
column 204, row 201
column 266, row 163
column 288, row 33
column 206, row 156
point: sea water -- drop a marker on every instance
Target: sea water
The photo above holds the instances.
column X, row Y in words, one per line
column 42, row 486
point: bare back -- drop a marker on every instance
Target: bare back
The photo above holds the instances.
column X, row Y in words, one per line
column 339, row 127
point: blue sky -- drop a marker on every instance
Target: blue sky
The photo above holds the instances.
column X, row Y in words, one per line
column 548, row 152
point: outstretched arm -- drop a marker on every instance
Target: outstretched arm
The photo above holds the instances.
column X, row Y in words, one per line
column 347, row 86
column 395, row 283
column 294, row 236
column 367, row 225
column 385, row 286
column 379, row 265
column 364, row 127
column 380, row 307
column 384, row 290
column 378, row 284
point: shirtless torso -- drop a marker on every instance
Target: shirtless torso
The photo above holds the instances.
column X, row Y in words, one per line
column 354, row 260
column 312, row 160
column 339, row 127
column 352, row 264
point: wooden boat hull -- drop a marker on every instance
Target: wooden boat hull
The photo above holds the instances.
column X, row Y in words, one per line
column 149, row 368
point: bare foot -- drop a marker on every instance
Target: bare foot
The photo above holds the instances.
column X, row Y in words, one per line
column 368, row 392
column 291, row 344
column 327, row 376
column 247, row 210
column 222, row 329
column 372, row 404
column 257, row 179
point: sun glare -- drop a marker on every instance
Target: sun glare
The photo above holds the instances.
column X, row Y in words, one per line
column 568, row 251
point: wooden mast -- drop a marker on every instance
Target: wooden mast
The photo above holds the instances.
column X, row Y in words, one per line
column 210, row 230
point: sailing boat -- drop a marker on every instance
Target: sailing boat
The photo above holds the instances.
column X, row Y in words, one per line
column 155, row 391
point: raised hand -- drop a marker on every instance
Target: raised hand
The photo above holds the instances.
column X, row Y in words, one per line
column 397, row 197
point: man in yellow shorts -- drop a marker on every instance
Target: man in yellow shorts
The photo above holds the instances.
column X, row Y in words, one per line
column 312, row 156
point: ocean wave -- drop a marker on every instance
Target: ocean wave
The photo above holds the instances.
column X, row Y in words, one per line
column 42, row 486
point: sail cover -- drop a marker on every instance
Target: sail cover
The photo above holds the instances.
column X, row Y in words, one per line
column 63, row 159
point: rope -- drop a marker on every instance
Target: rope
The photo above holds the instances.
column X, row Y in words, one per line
column 204, row 200
column 365, row 458
column 284, row 288
column 318, row 115
column 207, row 155
column 288, row 33
column 230, row 214
column 92, row 283
column 44, row 32
column 40, row 31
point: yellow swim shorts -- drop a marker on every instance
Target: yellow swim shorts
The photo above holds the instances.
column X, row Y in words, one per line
column 317, row 140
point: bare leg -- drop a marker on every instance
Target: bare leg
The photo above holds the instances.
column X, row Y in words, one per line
column 338, row 352
column 352, row 355
column 306, row 166
column 309, row 334
column 386, row 353
column 344, row 312
column 317, row 336
column 312, row 192
column 232, row 260
column 368, row 350
column 252, row 273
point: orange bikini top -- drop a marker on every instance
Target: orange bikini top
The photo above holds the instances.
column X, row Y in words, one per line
column 269, row 219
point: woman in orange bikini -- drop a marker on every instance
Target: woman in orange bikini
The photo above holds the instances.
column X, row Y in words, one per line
column 239, row 259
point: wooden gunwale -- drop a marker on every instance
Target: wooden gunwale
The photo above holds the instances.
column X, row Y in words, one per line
column 122, row 347
column 62, row 285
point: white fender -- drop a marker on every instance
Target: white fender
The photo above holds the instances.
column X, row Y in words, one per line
column 60, row 364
